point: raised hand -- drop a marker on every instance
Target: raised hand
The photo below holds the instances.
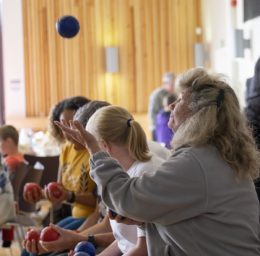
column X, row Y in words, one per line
column 77, row 134
column 69, row 137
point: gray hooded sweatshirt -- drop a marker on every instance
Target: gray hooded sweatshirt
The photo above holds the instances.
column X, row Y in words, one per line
column 192, row 205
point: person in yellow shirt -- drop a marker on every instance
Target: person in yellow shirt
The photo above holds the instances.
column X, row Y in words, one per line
column 73, row 180
column 74, row 177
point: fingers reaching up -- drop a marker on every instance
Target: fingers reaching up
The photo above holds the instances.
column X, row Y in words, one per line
column 76, row 133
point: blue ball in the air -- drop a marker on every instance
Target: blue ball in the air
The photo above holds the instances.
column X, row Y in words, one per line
column 67, row 26
column 85, row 246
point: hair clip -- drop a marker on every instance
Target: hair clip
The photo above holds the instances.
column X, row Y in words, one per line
column 129, row 122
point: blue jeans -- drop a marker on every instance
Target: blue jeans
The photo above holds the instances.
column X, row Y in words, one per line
column 71, row 223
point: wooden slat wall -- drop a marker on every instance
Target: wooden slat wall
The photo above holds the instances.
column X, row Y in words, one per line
column 153, row 36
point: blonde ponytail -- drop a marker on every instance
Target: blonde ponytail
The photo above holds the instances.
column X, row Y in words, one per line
column 116, row 125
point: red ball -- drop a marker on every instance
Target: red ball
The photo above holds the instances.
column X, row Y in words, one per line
column 54, row 189
column 32, row 234
column 49, row 234
column 233, row 3
column 34, row 189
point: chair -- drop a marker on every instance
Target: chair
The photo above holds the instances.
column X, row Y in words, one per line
column 51, row 166
column 50, row 172
column 33, row 175
column 19, row 222
column 16, row 179
column 22, row 175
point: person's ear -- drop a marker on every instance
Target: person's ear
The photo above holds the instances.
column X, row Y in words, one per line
column 105, row 145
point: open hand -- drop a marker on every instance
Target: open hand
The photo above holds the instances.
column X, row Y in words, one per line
column 77, row 134
column 69, row 137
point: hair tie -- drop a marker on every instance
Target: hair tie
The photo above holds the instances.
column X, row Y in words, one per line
column 220, row 97
column 129, row 122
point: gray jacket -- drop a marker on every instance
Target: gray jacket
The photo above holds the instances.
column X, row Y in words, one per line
column 193, row 204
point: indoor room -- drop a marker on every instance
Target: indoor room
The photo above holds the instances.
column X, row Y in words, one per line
column 95, row 93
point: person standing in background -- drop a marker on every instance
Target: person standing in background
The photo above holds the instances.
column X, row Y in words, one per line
column 163, row 133
column 156, row 99
column 252, row 109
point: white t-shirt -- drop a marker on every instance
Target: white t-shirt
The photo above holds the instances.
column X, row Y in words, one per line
column 159, row 150
column 126, row 235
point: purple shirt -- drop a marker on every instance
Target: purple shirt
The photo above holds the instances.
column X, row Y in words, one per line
column 163, row 133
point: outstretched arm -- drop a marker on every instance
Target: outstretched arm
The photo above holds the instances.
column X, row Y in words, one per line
column 162, row 194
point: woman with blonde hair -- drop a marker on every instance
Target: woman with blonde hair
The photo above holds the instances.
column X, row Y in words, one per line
column 202, row 200
column 124, row 139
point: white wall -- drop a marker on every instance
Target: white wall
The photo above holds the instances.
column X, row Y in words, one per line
column 251, row 27
column 219, row 21
column 12, row 33
column 217, row 31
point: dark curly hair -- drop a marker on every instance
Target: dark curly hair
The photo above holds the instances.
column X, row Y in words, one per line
column 72, row 103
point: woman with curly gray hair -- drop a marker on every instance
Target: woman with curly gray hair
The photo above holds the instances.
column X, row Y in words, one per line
column 202, row 200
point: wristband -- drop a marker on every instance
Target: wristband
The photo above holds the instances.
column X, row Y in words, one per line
column 72, row 198
column 91, row 239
